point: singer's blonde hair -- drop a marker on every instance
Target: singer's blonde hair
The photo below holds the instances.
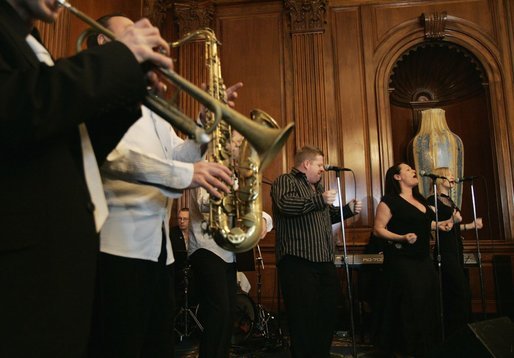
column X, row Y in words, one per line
column 441, row 171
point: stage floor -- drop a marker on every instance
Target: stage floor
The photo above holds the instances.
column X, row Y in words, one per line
column 261, row 347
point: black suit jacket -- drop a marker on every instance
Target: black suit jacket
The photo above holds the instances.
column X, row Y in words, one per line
column 48, row 243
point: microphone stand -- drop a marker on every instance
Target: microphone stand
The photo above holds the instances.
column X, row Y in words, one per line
column 348, row 285
column 439, row 266
column 479, row 255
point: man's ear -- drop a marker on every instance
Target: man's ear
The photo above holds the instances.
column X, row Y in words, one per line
column 102, row 39
column 397, row 177
column 306, row 164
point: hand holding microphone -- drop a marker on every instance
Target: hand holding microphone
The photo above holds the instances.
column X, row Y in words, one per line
column 356, row 206
column 329, row 196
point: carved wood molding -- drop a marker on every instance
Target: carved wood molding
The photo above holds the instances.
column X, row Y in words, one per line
column 310, row 106
column 307, row 15
column 435, row 25
column 194, row 15
column 156, row 11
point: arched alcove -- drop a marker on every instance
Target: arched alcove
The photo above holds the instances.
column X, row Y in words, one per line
column 441, row 74
column 491, row 157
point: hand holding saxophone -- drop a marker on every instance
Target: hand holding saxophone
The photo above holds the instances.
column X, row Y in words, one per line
column 214, row 177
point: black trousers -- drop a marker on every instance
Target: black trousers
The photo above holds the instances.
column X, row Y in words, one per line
column 310, row 291
column 215, row 284
column 456, row 293
column 134, row 308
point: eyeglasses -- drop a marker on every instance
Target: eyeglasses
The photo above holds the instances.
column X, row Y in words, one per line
column 183, row 219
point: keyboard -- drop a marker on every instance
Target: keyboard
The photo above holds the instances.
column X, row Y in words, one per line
column 360, row 259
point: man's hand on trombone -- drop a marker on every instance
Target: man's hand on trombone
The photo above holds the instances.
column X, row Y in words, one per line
column 142, row 38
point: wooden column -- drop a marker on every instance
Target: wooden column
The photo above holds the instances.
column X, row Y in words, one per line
column 191, row 62
column 156, row 11
column 307, row 27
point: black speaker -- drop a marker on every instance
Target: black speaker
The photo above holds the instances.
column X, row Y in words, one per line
column 492, row 338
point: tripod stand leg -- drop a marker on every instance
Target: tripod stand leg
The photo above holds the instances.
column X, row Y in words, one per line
column 177, row 317
column 195, row 319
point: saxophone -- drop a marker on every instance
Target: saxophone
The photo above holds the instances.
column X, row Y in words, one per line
column 235, row 221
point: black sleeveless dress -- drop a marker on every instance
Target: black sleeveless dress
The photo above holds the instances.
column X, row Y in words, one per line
column 407, row 319
column 456, row 292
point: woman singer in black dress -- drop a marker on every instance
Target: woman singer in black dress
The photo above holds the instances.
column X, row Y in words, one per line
column 407, row 317
column 456, row 295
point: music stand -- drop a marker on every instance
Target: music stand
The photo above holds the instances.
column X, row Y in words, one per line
column 185, row 311
column 263, row 315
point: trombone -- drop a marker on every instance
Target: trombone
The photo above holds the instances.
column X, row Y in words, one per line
column 266, row 141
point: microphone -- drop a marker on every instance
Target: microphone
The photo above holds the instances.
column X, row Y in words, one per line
column 430, row 175
column 468, row 178
column 336, row 169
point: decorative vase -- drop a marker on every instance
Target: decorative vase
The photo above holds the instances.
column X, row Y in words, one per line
column 434, row 146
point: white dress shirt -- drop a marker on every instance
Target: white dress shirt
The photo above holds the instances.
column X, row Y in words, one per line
column 150, row 166
column 199, row 237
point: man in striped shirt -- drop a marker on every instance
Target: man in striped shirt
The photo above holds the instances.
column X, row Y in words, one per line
column 303, row 215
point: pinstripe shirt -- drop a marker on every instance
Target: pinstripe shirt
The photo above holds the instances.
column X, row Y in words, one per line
column 303, row 222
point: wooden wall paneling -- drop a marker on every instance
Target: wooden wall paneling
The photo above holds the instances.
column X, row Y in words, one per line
column 252, row 51
column 379, row 151
column 509, row 15
column 501, row 102
column 387, row 16
column 310, row 95
column 507, row 74
column 488, row 249
column 307, row 28
column 351, row 122
column 379, row 62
